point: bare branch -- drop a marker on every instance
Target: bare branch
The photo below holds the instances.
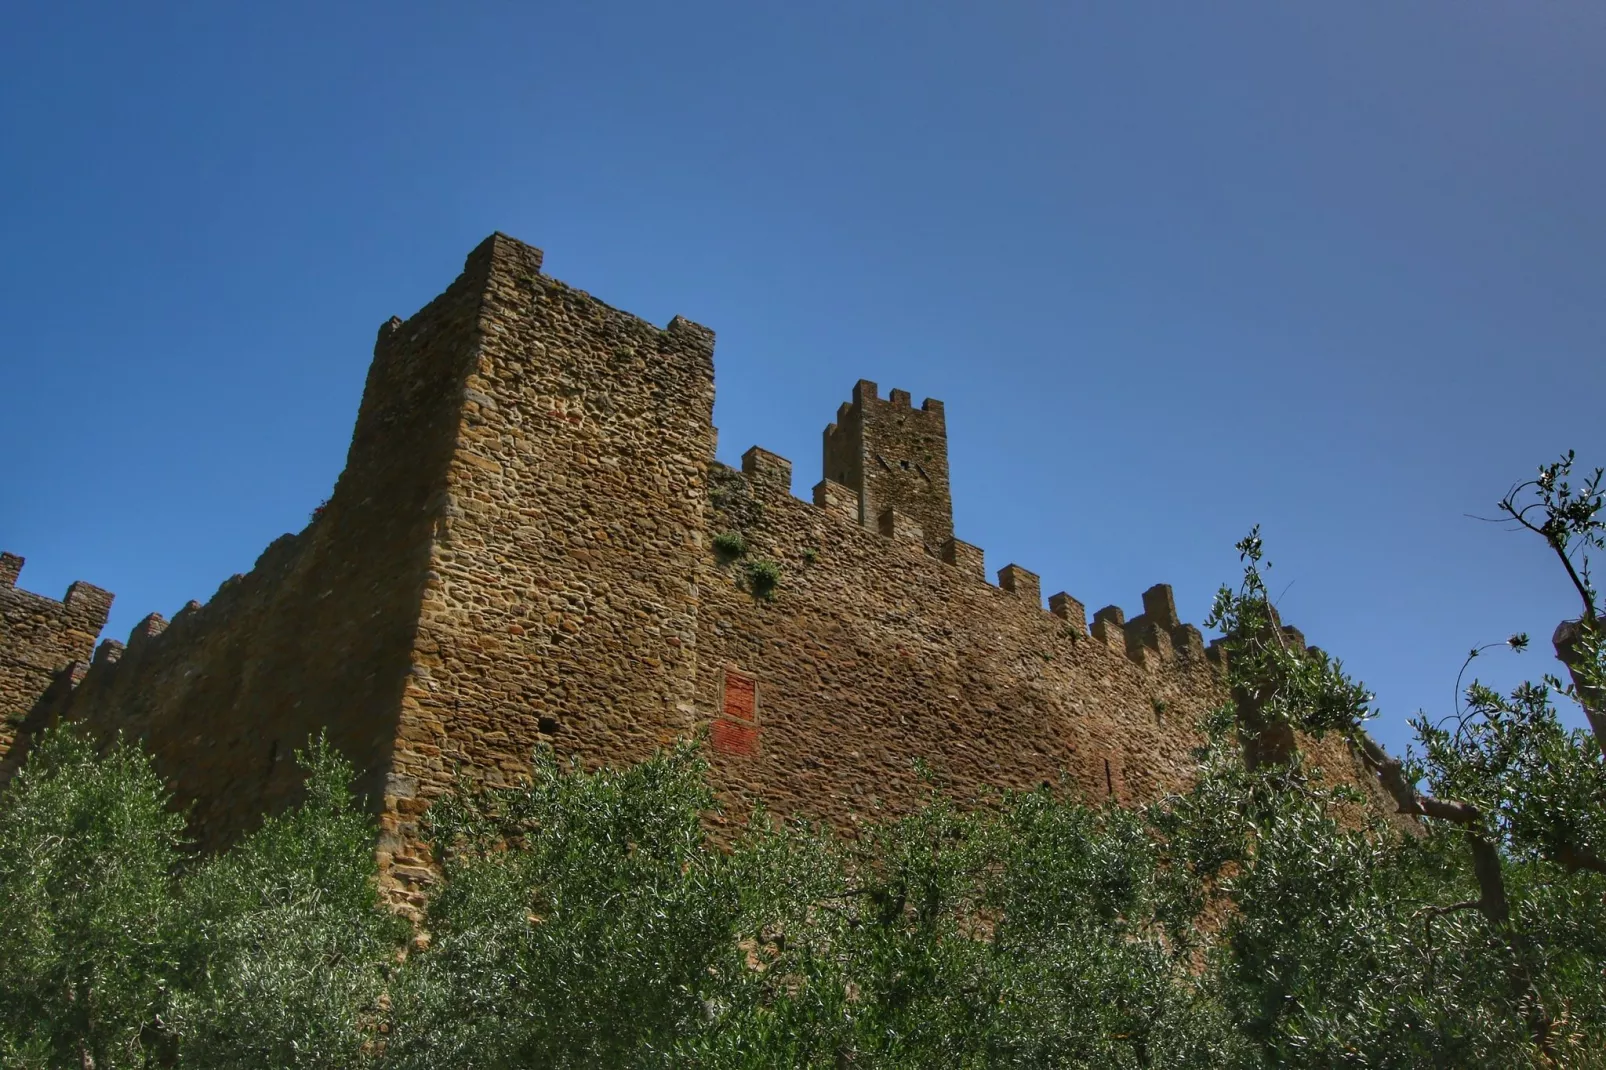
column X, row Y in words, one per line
column 1451, row 810
column 1449, row 908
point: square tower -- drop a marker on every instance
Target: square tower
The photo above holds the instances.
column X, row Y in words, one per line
column 895, row 456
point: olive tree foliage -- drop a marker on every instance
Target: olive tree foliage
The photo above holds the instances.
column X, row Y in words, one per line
column 1479, row 937
column 582, row 921
column 283, row 948
column 87, row 847
column 120, row 948
column 588, row 919
column 1345, row 941
column 1032, row 932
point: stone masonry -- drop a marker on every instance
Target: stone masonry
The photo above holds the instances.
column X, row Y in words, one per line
column 524, row 550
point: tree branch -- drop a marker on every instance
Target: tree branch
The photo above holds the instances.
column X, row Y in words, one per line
column 1491, row 883
column 1576, row 858
column 1390, row 773
column 1449, row 908
column 1569, row 651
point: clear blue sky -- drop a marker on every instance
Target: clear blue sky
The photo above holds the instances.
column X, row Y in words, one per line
column 1174, row 268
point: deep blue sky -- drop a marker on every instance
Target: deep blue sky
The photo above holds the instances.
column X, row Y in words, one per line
column 1175, row 268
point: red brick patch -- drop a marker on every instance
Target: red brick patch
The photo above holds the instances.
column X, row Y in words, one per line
column 741, row 695
column 734, row 737
column 735, row 730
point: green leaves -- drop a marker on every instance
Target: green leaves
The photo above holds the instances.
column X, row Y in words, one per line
column 1567, row 517
column 583, row 921
column 283, row 948
column 1541, row 787
column 86, row 910
column 763, row 576
column 118, row 949
column 729, row 544
column 587, row 918
column 1352, row 943
column 1023, row 933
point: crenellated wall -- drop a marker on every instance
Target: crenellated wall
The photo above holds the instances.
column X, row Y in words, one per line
column 877, row 654
column 521, row 552
column 872, row 652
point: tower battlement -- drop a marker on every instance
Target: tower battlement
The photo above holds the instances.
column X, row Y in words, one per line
column 893, row 456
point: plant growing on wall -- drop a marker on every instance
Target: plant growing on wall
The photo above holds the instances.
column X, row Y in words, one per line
column 730, row 544
column 764, row 576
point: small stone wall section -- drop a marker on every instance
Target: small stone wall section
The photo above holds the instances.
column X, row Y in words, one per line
column 39, row 638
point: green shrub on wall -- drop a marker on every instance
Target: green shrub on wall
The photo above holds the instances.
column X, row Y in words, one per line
column 730, row 544
column 764, row 576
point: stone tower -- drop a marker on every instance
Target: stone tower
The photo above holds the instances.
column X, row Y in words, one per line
column 507, row 561
column 895, row 457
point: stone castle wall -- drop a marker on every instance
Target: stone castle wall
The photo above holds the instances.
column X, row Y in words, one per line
column 871, row 654
column 522, row 551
